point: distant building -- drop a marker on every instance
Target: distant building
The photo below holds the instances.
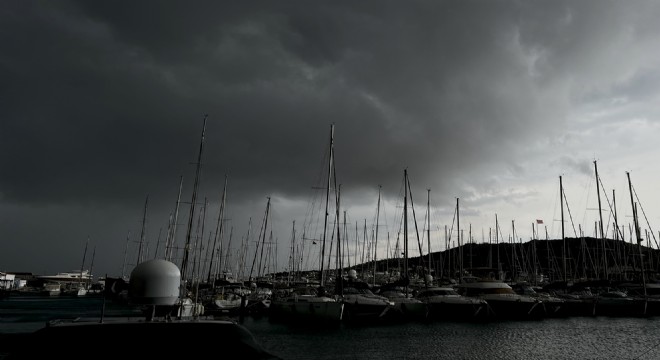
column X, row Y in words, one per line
column 6, row 281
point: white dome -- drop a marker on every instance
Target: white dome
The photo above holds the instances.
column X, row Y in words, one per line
column 154, row 282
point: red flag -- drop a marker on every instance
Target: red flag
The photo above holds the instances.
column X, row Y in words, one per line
column 539, row 221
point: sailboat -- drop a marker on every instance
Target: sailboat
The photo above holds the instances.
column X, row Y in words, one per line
column 78, row 287
column 187, row 306
column 503, row 302
column 615, row 302
column 306, row 304
column 405, row 305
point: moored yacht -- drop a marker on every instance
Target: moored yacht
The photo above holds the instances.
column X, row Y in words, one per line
column 578, row 298
column 553, row 305
column 618, row 303
column 445, row 303
column 307, row 305
column 503, row 302
column 73, row 276
column 405, row 305
column 361, row 304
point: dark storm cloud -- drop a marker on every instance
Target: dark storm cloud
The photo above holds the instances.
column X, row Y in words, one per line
column 423, row 84
column 102, row 102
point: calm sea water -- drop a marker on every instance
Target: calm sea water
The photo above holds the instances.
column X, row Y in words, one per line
column 570, row 338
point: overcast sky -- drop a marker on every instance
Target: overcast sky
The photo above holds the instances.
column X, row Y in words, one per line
column 487, row 102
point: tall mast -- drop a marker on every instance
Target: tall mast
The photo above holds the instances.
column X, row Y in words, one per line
column 364, row 245
column 143, row 232
column 91, row 267
column 191, row 215
column 292, row 253
column 387, row 263
column 600, row 214
column 123, row 267
column 327, row 199
column 338, row 262
column 497, row 243
column 376, row 237
column 638, row 235
column 419, row 243
column 428, row 228
column 513, row 250
column 460, row 250
column 226, row 266
column 218, row 232
column 337, row 188
column 448, row 250
column 563, row 237
column 405, row 226
column 357, row 249
column 490, row 248
column 470, row 242
column 199, row 242
column 348, row 257
column 263, row 243
column 243, row 250
column 171, row 234
column 82, row 266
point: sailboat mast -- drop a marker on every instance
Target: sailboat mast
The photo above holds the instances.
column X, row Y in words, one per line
column 191, row 215
column 327, row 200
column 616, row 218
column 357, row 249
column 637, row 233
column 82, row 266
column 419, row 243
column 263, row 243
column 600, row 214
column 338, row 262
column 226, row 256
column 201, row 222
column 123, row 267
column 376, row 237
column 497, row 243
column 243, row 250
column 387, row 263
column 345, row 231
column 513, row 250
column 218, row 233
column 143, row 231
column 460, row 250
column 563, row 237
column 428, row 228
column 470, row 242
column 91, row 268
column 364, row 245
column 448, row 251
column 405, row 226
column 169, row 247
column 292, row 254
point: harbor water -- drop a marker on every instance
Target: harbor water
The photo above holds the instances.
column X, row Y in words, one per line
column 563, row 338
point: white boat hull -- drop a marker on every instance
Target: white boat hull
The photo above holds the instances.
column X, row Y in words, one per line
column 306, row 309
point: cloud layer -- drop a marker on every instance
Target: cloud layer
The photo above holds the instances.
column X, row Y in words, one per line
column 486, row 101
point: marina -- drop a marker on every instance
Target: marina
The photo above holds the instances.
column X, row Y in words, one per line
column 355, row 180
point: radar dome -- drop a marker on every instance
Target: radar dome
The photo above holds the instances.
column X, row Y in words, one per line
column 154, row 282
